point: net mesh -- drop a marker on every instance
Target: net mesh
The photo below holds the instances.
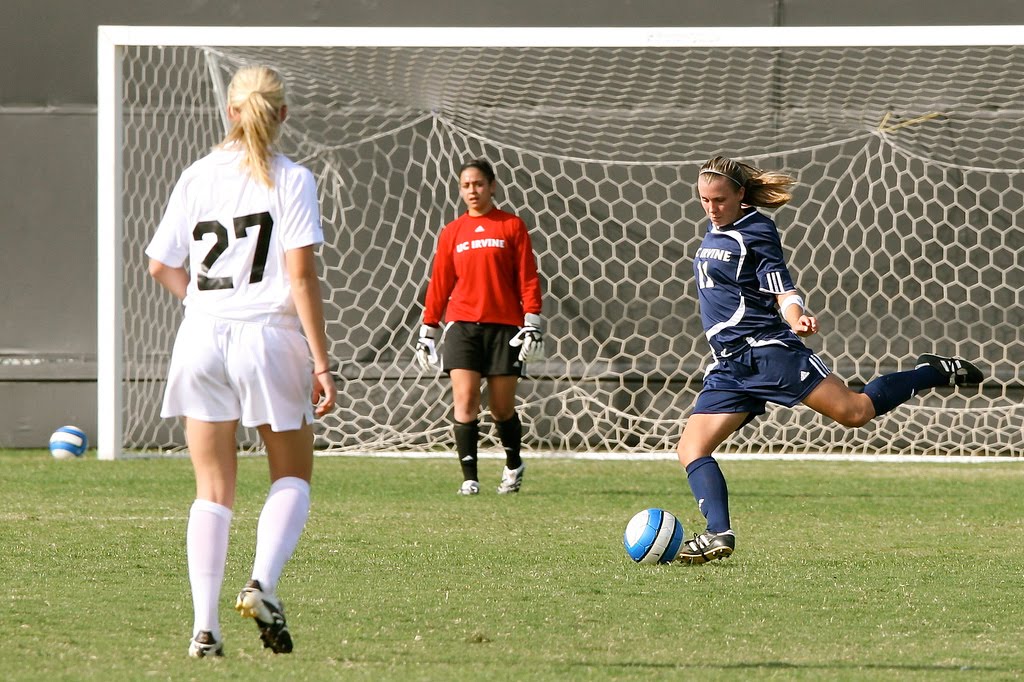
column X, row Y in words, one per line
column 904, row 234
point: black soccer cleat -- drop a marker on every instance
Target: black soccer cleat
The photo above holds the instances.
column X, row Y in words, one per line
column 957, row 370
column 203, row 645
column 706, row 547
column 268, row 612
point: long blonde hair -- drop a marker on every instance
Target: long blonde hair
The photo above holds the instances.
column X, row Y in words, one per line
column 769, row 189
column 256, row 93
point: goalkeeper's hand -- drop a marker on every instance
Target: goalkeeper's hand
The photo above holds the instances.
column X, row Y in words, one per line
column 426, row 348
column 529, row 339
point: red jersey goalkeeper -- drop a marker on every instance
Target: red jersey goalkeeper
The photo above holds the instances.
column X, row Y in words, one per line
column 484, row 271
column 484, row 284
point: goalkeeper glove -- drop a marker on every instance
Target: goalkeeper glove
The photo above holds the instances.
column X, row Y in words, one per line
column 529, row 339
column 426, row 349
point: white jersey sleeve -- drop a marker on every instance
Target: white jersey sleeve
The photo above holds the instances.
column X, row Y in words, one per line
column 300, row 212
column 170, row 243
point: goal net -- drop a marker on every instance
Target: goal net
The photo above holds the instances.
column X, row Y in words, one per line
column 905, row 233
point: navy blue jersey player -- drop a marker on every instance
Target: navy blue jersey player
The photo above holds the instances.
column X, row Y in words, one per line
column 753, row 318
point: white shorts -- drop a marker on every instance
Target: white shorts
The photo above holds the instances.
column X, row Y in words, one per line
column 223, row 370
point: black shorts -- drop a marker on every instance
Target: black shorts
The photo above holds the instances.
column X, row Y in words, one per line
column 481, row 348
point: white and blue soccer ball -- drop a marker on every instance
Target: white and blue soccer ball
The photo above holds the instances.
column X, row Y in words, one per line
column 653, row 536
column 68, row 442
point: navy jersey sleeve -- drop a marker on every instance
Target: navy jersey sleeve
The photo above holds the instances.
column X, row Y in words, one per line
column 772, row 274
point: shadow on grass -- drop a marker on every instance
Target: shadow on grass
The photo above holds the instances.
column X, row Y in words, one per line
column 783, row 665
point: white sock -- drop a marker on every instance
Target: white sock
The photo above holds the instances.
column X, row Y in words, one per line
column 206, row 541
column 281, row 522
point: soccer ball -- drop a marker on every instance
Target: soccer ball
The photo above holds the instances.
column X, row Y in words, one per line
column 68, row 442
column 653, row 536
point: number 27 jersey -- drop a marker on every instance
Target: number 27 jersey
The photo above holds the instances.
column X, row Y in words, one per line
column 740, row 269
column 234, row 232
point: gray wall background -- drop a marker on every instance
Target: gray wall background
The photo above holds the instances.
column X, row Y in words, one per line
column 48, row 138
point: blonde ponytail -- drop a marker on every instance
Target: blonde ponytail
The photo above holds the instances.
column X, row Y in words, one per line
column 257, row 94
column 765, row 188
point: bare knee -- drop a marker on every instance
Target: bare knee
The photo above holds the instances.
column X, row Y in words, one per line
column 502, row 415
column 466, row 411
column 466, row 406
column 837, row 402
column 857, row 413
column 687, row 455
column 853, row 421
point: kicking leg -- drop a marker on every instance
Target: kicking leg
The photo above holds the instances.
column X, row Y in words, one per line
column 835, row 400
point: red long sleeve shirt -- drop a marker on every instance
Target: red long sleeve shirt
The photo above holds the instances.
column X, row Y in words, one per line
column 484, row 271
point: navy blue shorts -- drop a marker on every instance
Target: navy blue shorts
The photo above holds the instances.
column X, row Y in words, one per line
column 782, row 374
column 481, row 348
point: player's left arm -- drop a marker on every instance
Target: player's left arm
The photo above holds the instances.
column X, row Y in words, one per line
column 774, row 277
column 529, row 280
column 305, row 285
column 530, row 338
column 301, row 232
column 801, row 321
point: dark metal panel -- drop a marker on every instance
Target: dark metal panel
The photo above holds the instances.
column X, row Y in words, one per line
column 54, row 42
column 48, row 233
column 904, row 13
column 31, row 410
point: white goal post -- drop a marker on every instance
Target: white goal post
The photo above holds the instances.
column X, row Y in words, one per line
column 906, row 233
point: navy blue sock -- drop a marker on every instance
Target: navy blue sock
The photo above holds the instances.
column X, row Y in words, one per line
column 892, row 390
column 709, row 489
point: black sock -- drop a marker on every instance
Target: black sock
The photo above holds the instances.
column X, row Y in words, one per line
column 510, row 432
column 466, row 436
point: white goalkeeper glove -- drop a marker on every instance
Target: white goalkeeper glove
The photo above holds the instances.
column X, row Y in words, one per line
column 529, row 339
column 426, row 349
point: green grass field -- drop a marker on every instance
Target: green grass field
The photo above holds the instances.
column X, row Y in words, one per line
column 843, row 571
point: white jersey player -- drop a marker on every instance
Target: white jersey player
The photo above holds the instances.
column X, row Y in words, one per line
column 251, row 349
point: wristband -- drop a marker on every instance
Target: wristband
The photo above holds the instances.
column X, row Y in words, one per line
column 792, row 299
column 323, row 371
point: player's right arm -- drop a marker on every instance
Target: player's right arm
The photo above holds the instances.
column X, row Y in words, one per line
column 175, row 280
column 439, row 288
column 442, row 279
column 170, row 245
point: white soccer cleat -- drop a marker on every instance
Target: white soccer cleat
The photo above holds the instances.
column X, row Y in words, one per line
column 511, row 479
column 268, row 612
column 469, row 488
column 204, row 644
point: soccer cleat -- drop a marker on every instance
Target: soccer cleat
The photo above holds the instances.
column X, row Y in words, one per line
column 203, row 645
column 959, row 371
column 511, row 479
column 469, row 488
column 268, row 612
column 707, row 546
